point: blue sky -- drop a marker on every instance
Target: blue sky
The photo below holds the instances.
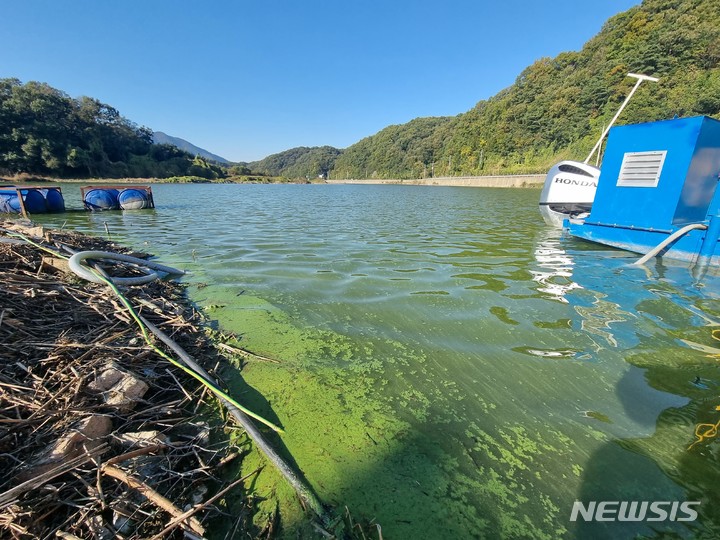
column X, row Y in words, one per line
column 247, row 79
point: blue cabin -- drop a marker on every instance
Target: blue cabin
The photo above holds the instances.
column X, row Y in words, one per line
column 658, row 182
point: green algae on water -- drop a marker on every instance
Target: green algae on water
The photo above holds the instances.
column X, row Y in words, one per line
column 355, row 423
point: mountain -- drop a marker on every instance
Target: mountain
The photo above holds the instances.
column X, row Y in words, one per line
column 163, row 138
column 298, row 162
column 558, row 106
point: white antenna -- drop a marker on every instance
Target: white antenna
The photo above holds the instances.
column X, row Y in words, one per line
column 640, row 79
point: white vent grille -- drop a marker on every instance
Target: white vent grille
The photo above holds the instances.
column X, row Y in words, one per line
column 641, row 169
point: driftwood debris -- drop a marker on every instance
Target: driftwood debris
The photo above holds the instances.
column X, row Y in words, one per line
column 98, row 438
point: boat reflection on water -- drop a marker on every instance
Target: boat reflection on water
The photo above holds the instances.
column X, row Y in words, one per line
column 555, row 278
column 555, row 267
column 651, row 333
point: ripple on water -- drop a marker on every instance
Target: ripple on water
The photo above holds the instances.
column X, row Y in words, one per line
column 451, row 367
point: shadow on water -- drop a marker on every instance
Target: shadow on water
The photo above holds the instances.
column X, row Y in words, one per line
column 247, row 394
column 668, row 390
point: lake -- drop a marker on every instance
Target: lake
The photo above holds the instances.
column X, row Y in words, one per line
column 449, row 366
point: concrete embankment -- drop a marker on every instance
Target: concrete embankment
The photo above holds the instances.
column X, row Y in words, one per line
column 504, row 181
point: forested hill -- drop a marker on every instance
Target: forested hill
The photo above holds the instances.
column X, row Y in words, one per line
column 298, row 162
column 43, row 131
column 558, row 106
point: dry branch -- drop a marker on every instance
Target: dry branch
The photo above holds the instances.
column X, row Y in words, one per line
column 150, row 494
column 58, row 336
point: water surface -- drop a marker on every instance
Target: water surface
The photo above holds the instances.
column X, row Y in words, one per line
column 451, row 367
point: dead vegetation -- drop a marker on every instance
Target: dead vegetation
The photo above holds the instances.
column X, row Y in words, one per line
column 99, row 437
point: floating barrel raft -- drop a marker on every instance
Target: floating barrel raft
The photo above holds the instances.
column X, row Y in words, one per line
column 30, row 200
column 101, row 198
column 27, row 200
column 54, row 199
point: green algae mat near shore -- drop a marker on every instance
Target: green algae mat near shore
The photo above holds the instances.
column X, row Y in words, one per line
column 448, row 366
column 353, row 436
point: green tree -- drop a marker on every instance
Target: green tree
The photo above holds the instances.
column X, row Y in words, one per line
column 44, row 131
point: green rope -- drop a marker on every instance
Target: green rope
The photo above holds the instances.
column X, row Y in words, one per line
column 208, row 384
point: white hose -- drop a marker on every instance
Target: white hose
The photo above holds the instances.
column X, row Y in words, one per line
column 84, row 272
column 669, row 240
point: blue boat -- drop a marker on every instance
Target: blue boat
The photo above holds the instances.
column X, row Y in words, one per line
column 657, row 191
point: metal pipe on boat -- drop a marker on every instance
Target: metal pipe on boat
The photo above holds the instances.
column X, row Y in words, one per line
column 640, row 79
column 669, row 240
column 707, row 249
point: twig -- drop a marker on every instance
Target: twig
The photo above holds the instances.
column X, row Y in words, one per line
column 244, row 352
column 175, row 522
column 66, row 536
column 151, row 495
column 131, row 455
column 12, row 494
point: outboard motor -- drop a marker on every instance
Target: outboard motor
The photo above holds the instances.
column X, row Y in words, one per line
column 569, row 191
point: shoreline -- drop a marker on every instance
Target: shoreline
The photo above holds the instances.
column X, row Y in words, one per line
column 32, row 181
column 172, row 438
column 86, row 403
column 498, row 181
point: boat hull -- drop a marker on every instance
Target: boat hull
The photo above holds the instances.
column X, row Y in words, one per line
column 686, row 248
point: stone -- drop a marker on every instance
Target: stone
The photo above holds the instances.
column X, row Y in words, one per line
column 55, row 264
column 143, row 438
column 87, row 434
column 120, row 389
column 106, row 380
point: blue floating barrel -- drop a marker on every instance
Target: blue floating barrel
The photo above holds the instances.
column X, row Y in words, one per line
column 34, row 201
column 133, row 199
column 54, row 200
column 9, row 203
column 101, row 199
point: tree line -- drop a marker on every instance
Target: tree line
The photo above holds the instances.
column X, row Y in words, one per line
column 555, row 110
column 43, row 131
column 558, row 106
column 300, row 162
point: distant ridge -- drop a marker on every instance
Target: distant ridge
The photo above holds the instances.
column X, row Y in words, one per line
column 163, row 138
column 48, row 134
column 300, row 162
